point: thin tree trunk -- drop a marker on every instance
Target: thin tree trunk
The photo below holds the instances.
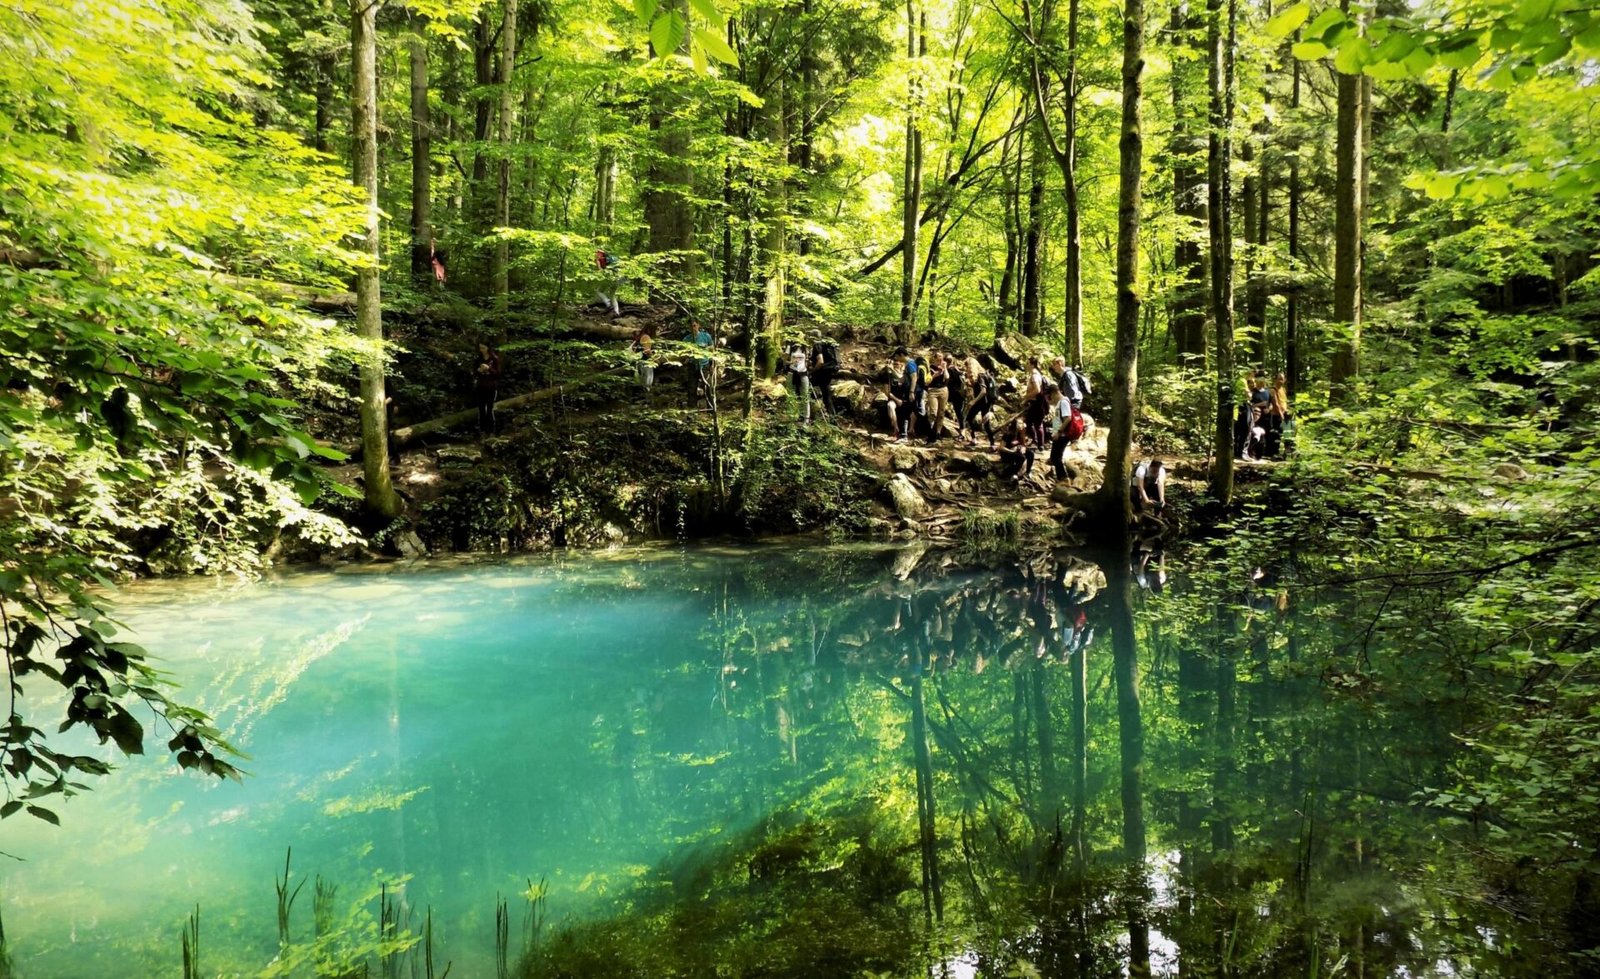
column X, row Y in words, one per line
column 1188, row 307
column 501, row 270
column 1291, row 323
column 775, row 246
column 327, row 64
column 1117, row 505
column 380, row 495
column 912, row 196
column 1033, row 247
column 1347, row 219
column 483, row 109
column 1220, row 161
column 421, row 162
column 1072, row 302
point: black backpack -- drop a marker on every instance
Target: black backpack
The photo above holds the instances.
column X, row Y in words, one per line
column 829, row 352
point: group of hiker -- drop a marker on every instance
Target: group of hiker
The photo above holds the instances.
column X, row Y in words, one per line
column 1263, row 423
column 927, row 389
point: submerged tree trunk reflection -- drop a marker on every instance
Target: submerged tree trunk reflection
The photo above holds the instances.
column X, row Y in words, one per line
column 927, row 838
column 1130, row 731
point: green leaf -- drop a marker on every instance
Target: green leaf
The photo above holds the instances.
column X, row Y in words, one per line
column 645, row 10
column 715, row 46
column 1395, row 47
column 708, row 10
column 127, row 732
column 1288, row 20
column 11, row 808
column 1460, row 52
column 666, row 33
column 1535, row 11
column 1309, row 50
column 1324, row 21
column 1418, row 62
column 1353, row 55
column 44, row 814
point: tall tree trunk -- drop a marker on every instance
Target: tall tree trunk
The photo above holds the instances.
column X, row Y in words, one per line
column 381, row 498
column 1188, row 307
column 1033, row 242
column 808, row 105
column 775, row 244
column 508, row 116
column 1072, row 303
column 1010, row 182
column 1220, row 160
column 421, row 162
column 1347, row 219
column 912, row 191
column 483, row 109
column 452, row 134
column 667, row 191
column 327, row 65
column 1291, row 322
column 1116, row 500
column 605, row 189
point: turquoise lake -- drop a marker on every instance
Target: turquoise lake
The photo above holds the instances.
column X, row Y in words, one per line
column 768, row 761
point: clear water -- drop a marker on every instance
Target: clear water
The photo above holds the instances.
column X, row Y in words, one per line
column 614, row 725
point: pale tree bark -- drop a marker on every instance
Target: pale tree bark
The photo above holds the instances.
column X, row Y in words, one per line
column 380, row 495
column 911, row 184
column 421, row 163
column 1347, row 219
column 508, row 110
column 1033, row 240
column 1220, row 48
column 1116, row 501
column 775, row 243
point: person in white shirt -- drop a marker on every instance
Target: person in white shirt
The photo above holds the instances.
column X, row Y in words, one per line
column 798, row 359
column 1149, row 485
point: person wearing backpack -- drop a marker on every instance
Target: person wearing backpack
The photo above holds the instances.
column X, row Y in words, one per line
column 1066, row 427
column 825, row 370
column 1074, row 383
column 957, row 385
column 606, row 294
column 980, row 409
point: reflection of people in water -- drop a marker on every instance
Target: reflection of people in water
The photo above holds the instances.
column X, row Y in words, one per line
column 1150, row 565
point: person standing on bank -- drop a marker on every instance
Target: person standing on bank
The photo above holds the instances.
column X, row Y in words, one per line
column 938, row 395
column 486, row 387
column 799, row 359
column 643, row 345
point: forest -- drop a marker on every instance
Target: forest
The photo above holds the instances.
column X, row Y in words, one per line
column 250, row 251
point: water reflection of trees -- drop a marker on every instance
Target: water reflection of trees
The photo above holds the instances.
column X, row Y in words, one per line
column 1089, row 777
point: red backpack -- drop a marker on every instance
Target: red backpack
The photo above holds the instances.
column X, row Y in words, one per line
column 1075, row 426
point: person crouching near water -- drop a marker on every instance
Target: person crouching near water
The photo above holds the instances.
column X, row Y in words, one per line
column 1149, row 487
column 1016, row 452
